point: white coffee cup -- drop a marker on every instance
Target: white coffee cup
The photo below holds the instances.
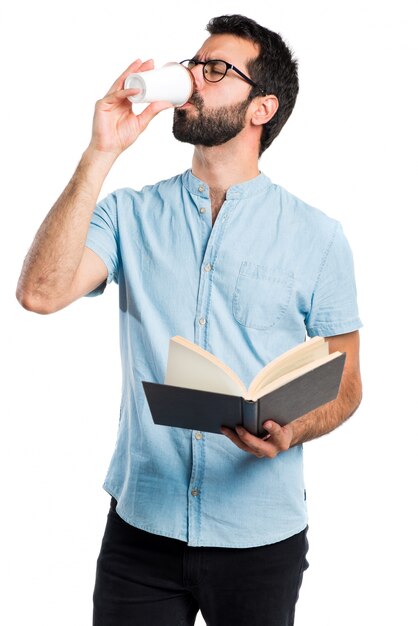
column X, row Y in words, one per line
column 173, row 82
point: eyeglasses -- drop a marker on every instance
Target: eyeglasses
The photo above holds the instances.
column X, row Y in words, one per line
column 215, row 70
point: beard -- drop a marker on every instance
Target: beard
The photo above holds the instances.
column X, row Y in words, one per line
column 209, row 126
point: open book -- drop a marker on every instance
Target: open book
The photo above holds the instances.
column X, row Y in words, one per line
column 201, row 392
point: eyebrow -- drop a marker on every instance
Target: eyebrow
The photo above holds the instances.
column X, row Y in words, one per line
column 196, row 57
column 214, row 58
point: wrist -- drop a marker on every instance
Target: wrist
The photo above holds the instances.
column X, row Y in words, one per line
column 100, row 159
column 92, row 170
column 296, row 433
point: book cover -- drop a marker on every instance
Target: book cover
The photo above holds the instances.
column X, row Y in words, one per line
column 210, row 394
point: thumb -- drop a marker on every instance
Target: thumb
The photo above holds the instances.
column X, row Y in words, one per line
column 151, row 111
column 271, row 427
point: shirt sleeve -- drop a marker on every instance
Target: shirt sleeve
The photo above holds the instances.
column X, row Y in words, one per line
column 103, row 238
column 334, row 302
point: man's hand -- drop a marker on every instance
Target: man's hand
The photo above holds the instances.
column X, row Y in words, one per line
column 115, row 125
column 318, row 422
column 278, row 439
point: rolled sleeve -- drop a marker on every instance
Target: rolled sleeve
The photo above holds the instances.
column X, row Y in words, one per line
column 102, row 238
column 334, row 302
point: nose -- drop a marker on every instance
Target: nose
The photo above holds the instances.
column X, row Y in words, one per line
column 197, row 76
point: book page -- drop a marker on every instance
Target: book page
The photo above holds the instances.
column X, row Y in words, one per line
column 292, row 375
column 297, row 357
column 191, row 366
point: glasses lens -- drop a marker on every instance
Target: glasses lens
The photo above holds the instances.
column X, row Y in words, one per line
column 189, row 64
column 215, row 71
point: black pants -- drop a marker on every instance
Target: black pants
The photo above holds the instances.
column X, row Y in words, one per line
column 148, row 580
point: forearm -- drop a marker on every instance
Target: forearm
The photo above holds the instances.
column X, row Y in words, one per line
column 55, row 254
column 328, row 417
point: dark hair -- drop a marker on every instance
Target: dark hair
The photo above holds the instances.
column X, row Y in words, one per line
column 273, row 69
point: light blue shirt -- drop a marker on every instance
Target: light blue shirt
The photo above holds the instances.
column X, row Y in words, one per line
column 269, row 272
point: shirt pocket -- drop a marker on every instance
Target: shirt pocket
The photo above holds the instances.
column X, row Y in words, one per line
column 261, row 296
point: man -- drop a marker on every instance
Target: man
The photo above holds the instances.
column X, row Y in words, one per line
column 235, row 263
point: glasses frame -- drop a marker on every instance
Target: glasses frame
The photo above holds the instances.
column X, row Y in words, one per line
column 229, row 66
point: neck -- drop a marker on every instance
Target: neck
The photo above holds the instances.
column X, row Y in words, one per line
column 220, row 167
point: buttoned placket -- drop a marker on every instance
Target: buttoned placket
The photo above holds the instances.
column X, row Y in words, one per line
column 211, row 241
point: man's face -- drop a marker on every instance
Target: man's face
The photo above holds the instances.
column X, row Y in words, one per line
column 216, row 112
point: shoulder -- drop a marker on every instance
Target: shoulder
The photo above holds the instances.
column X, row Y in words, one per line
column 302, row 210
column 126, row 198
column 160, row 187
column 303, row 218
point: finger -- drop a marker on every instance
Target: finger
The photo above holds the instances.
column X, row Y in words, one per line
column 118, row 96
column 132, row 69
column 279, row 436
column 257, row 445
column 147, row 65
column 235, row 439
column 274, row 430
column 261, row 447
column 271, row 427
column 151, row 111
column 232, row 435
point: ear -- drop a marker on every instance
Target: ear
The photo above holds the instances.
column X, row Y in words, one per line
column 264, row 109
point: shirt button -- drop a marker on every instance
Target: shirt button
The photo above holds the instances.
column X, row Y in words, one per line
column 208, row 267
column 195, row 492
column 198, row 436
column 202, row 321
column 201, row 188
column 202, row 209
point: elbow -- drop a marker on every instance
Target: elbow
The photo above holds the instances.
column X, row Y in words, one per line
column 356, row 397
column 34, row 305
column 359, row 392
column 359, row 399
column 350, row 395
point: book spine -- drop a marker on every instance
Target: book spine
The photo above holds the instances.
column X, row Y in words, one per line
column 250, row 416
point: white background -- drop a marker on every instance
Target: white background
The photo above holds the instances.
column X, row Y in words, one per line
column 349, row 148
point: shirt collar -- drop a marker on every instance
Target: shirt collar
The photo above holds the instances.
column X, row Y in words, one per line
column 248, row 188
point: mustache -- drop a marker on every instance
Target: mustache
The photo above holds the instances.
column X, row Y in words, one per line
column 197, row 100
